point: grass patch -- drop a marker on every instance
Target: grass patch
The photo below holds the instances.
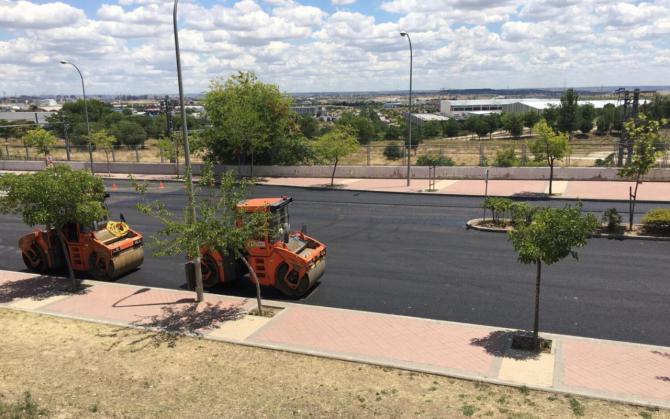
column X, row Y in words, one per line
column 468, row 410
column 24, row 408
column 576, row 407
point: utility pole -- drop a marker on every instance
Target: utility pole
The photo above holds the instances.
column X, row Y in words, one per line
column 187, row 160
column 409, row 116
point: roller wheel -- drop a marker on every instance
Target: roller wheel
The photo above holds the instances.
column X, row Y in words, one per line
column 210, row 273
column 99, row 268
column 289, row 283
column 35, row 259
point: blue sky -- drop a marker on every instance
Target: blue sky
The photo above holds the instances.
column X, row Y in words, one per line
column 125, row 46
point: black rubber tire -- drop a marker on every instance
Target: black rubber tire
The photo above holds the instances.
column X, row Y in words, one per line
column 37, row 263
column 210, row 273
column 97, row 272
column 289, row 284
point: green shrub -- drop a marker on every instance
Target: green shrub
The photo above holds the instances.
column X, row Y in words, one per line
column 606, row 162
column 506, row 157
column 393, row 151
column 613, row 220
column 499, row 207
column 657, row 221
column 434, row 160
column 522, row 213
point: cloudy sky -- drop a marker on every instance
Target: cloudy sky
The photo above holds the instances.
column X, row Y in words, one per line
column 126, row 46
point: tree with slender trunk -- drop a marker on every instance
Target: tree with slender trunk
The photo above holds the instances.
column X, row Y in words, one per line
column 644, row 134
column 55, row 197
column 552, row 235
column 41, row 139
column 102, row 140
column 219, row 224
column 549, row 147
column 335, row 144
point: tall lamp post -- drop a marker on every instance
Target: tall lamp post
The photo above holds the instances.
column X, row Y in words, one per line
column 187, row 157
column 88, row 127
column 409, row 117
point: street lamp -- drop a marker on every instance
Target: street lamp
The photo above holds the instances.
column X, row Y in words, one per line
column 187, row 159
column 409, row 119
column 88, row 127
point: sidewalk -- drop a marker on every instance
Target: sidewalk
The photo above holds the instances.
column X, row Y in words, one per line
column 592, row 190
column 597, row 368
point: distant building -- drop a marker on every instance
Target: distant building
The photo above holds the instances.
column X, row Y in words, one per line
column 421, row 118
column 39, row 117
column 465, row 108
column 306, row 110
column 391, row 105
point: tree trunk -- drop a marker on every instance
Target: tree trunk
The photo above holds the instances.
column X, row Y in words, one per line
column 252, row 273
column 551, row 176
column 332, row 176
column 109, row 170
column 66, row 254
column 632, row 203
column 536, row 323
column 251, row 175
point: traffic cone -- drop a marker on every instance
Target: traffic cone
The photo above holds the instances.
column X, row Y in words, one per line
column 161, row 186
column 114, row 187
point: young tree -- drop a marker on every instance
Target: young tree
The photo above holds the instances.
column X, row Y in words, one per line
column 513, row 123
column 55, row 197
column 531, row 118
column 104, row 141
column 568, row 112
column 335, row 144
column 549, row 147
column 643, row 134
column 451, row 128
column 41, row 139
column 218, row 225
column 553, row 234
column 482, row 128
column 587, row 114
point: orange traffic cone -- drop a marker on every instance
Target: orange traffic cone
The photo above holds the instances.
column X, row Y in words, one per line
column 161, row 186
column 114, row 187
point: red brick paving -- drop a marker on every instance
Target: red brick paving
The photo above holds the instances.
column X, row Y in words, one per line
column 385, row 337
column 649, row 191
column 621, row 369
column 496, row 187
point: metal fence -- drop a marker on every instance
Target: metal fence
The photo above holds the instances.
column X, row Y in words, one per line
column 462, row 153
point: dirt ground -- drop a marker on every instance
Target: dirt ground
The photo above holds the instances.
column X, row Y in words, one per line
column 76, row 369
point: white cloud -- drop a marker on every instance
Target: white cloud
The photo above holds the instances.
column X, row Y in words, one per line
column 24, row 14
column 127, row 45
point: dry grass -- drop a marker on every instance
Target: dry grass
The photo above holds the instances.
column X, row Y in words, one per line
column 75, row 369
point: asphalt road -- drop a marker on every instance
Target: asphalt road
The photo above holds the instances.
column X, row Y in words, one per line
column 411, row 255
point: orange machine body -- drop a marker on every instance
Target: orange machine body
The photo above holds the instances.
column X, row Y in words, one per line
column 96, row 251
column 291, row 262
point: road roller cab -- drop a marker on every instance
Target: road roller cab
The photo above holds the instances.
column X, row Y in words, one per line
column 106, row 250
column 292, row 262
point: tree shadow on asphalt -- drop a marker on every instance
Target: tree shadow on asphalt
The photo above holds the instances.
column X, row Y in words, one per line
column 499, row 344
column 175, row 322
column 38, row 288
column 664, row 355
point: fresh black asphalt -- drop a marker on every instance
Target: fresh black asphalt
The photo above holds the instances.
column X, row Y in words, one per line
column 411, row 255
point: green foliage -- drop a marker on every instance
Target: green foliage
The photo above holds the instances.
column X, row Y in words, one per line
column 337, row 143
column 451, row 128
column 568, row 112
column 576, row 407
column 129, row 132
column 513, row 123
column 531, row 118
column 25, row 408
column 393, row 132
column 393, row 151
column 218, row 225
column 506, row 157
column 434, row 160
column 606, row 162
column 41, row 139
column 554, row 234
column 249, row 118
column 309, row 126
column 499, row 207
column 549, row 146
column 481, row 127
column 586, row 115
column 522, row 213
column 602, row 126
column 103, row 140
column 613, row 219
column 54, row 197
column 167, row 148
column 657, row 221
column 362, row 126
column 643, row 134
column 550, row 114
